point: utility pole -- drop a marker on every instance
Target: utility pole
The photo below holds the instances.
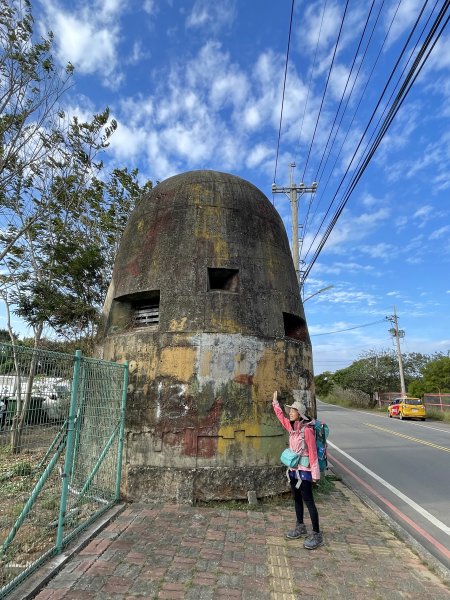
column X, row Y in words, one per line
column 397, row 334
column 293, row 192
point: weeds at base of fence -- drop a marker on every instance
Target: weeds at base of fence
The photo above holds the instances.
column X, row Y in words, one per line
column 438, row 415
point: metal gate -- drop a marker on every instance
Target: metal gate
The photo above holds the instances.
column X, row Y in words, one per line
column 61, row 439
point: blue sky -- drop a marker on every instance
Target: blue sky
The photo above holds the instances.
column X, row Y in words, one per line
column 196, row 84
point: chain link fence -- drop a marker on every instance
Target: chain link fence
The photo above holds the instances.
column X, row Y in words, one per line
column 61, row 439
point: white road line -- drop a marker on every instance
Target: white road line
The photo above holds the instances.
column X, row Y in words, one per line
column 442, row 526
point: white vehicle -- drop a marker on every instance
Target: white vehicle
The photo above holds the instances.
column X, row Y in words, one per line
column 56, row 404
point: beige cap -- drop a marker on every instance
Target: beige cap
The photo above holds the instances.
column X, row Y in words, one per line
column 299, row 407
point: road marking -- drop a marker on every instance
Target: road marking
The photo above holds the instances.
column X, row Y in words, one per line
column 408, row 437
column 384, row 416
column 439, row 524
column 440, row 547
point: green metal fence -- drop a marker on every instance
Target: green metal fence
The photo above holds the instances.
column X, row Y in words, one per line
column 61, row 438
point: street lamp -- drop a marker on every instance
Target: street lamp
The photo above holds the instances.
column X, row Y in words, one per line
column 318, row 292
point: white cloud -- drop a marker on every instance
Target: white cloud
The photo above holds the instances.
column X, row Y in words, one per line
column 149, row 6
column 257, row 155
column 212, row 16
column 351, row 228
column 88, row 39
column 381, row 250
column 440, row 57
column 406, row 13
column 423, row 214
column 438, row 233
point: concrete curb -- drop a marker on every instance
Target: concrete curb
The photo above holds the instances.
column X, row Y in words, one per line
column 425, row 556
column 33, row 584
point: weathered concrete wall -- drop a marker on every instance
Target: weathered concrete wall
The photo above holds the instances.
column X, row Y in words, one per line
column 210, row 251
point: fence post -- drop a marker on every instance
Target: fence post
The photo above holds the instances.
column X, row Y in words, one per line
column 69, row 450
column 121, row 430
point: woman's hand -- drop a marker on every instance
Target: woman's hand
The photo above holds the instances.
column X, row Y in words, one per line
column 275, row 398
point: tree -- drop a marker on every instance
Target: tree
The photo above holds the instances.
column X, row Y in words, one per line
column 377, row 371
column 323, row 383
column 435, row 379
column 67, row 290
column 359, row 376
column 46, row 159
column 30, row 91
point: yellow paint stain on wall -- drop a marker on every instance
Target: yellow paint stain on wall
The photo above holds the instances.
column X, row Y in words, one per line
column 178, row 325
column 225, row 324
column 210, row 227
column 200, row 193
column 205, row 364
column 221, row 248
column 178, row 362
column 271, row 370
column 233, row 433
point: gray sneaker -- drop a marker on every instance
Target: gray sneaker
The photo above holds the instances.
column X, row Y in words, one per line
column 313, row 541
column 300, row 529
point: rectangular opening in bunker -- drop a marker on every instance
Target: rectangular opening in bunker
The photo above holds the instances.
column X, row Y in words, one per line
column 140, row 309
column 145, row 311
column 295, row 327
column 223, row 279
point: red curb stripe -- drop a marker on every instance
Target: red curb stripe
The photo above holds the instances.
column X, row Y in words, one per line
column 398, row 512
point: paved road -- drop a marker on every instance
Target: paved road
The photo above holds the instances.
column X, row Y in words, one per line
column 403, row 466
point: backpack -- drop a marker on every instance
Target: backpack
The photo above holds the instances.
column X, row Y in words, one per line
column 321, row 431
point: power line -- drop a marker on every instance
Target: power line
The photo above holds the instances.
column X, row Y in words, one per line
column 312, row 69
column 326, row 87
column 344, row 90
column 349, row 328
column 353, row 117
column 413, row 73
column 284, row 90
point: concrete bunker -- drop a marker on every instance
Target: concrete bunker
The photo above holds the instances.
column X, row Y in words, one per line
column 204, row 304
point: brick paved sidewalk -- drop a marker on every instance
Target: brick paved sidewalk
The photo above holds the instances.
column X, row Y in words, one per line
column 209, row 553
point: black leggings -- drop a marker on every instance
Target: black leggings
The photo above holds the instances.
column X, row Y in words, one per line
column 305, row 494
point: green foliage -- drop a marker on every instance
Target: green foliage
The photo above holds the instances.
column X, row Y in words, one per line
column 438, row 415
column 348, row 398
column 435, row 378
column 378, row 371
column 323, row 383
column 360, row 376
column 63, row 215
column 30, row 89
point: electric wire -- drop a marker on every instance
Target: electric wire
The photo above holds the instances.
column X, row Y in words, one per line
column 284, row 90
column 345, row 89
column 318, row 174
column 325, row 89
column 387, row 122
column 412, row 52
column 369, row 123
column 313, row 68
column 355, row 112
column 413, row 73
column 350, row 328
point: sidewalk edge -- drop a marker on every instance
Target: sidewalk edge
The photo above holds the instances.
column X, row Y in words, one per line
column 33, row 584
column 425, row 555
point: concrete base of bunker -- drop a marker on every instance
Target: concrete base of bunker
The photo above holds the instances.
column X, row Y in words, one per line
column 186, row 486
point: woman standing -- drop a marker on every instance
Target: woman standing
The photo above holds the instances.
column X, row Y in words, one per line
column 302, row 442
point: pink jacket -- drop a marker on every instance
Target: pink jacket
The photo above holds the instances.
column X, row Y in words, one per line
column 301, row 441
